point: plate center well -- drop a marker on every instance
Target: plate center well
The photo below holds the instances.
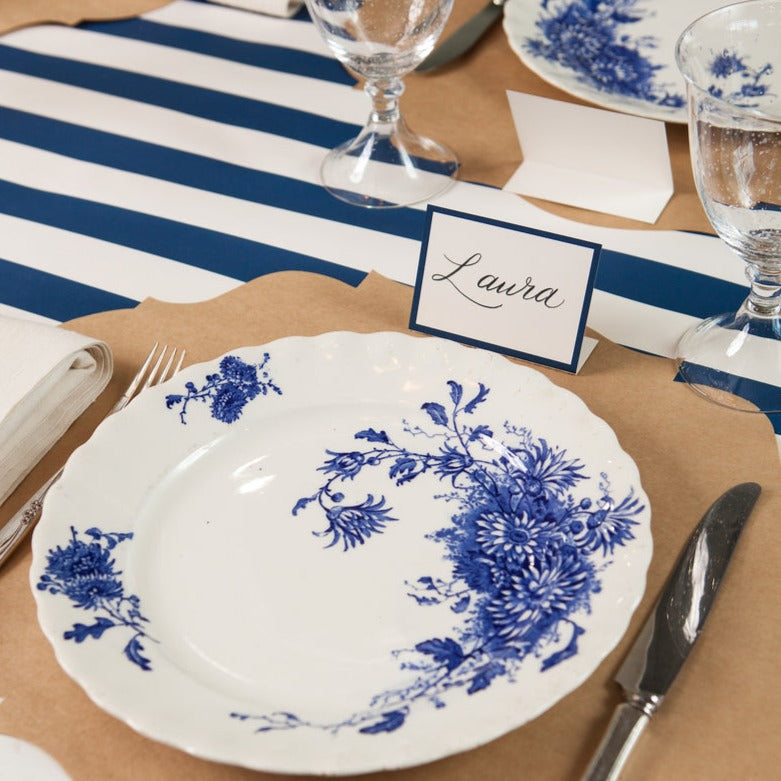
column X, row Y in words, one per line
column 243, row 596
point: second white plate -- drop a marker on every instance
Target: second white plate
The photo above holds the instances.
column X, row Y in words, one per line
column 618, row 54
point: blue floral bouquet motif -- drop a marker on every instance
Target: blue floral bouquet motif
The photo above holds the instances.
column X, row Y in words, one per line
column 588, row 38
column 525, row 554
column 736, row 82
column 228, row 391
column 85, row 572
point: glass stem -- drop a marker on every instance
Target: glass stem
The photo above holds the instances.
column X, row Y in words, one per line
column 385, row 101
column 764, row 299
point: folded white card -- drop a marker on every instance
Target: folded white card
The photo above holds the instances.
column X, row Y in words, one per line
column 48, row 377
column 270, row 7
column 591, row 158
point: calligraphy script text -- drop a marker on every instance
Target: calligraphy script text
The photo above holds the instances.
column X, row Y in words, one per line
column 491, row 283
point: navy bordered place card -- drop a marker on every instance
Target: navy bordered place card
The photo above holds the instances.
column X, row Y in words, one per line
column 508, row 288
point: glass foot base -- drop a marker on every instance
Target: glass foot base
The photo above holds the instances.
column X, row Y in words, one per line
column 382, row 169
column 734, row 360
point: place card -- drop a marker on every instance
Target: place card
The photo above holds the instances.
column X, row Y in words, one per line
column 505, row 287
column 591, row 158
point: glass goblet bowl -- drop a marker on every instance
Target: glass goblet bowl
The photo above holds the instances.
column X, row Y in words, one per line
column 380, row 41
column 731, row 62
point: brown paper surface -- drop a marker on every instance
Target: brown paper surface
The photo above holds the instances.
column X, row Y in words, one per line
column 723, row 716
column 22, row 13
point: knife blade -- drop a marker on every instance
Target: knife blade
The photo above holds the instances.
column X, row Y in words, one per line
column 464, row 38
column 675, row 623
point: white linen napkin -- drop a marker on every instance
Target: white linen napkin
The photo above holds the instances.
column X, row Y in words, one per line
column 270, row 7
column 48, row 377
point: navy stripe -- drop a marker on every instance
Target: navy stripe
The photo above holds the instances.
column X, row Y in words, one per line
column 760, row 393
column 202, row 172
column 260, row 55
column 197, row 101
column 51, row 296
column 666, row 287
column 231, row 256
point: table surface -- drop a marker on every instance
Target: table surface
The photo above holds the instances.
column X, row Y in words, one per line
column 174, row 156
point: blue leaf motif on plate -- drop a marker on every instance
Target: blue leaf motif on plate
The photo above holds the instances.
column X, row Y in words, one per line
column 85, row 572
column 447, row 651
column 587, row 37
column 436, row 413
column 525, row 553
column 388, row 723
column 229, row 390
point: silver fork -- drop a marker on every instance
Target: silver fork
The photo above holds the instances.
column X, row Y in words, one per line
column 152, row 372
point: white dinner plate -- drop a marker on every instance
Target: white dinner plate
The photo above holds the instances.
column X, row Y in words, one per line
column 619, row 54
column 342, row 553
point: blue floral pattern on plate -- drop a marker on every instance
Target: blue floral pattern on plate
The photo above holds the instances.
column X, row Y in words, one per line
column 85, row 572
column 619, row 54
column 593, row 39
column 526, row 555
column 228, row 390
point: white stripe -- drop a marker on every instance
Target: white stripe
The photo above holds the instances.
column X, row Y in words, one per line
column 23, row 314
column 254, row 28
column 358, row 248
column 111, row 267
column 656, row 329
column 638, row 325
column 240, row 146
column 337, row 101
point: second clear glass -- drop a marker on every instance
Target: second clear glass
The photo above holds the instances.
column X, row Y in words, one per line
column 731, row 60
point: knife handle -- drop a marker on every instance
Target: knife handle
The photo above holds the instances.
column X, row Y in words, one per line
column 625, row 728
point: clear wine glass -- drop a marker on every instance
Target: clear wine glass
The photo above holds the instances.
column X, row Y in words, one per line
column 731, row 61
column 386, row 165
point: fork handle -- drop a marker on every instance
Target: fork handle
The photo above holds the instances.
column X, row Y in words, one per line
column 24, row 519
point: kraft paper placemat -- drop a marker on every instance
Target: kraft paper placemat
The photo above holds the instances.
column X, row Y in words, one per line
column 22, row 13
column 723, row 716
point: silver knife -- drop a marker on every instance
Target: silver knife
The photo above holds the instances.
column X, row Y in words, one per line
column 464, row 38
column 673, row 627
